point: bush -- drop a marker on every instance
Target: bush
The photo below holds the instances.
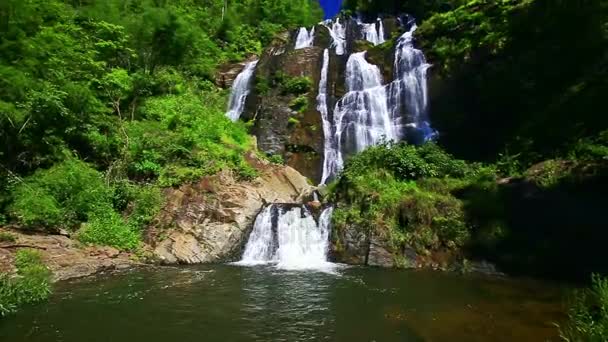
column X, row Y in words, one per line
column 31, row 285
column 299, row 104
column 588, row 314
column 7, row 237
column 188, row 138
column 296, row 85
column 62, row 196
column 277, row 159
column 110, row 229
column 409, row 162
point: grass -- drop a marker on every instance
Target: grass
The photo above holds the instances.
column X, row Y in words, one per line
column 30, row 285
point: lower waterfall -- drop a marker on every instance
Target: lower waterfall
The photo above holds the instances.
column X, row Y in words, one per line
column 288, row 236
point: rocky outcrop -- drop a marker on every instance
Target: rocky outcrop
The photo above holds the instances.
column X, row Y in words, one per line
column 294, row 132
column 66, row 258
column 209, row 221
column 297, row 133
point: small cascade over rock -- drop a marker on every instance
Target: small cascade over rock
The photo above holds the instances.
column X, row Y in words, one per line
column 240, row 90
column 337, row 31
column 373, row 32
column 288, row 236
column 305, row 38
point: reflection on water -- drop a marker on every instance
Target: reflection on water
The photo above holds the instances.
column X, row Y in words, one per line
column 230, row 303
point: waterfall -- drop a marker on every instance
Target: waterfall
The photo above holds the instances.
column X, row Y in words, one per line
column 408, row 92
column 239, row 92
column 288, row 236
column 305, row 39
column 261, row 245
column 338, row 35
column 361, row 117
column 331, row 163
column 374, row 32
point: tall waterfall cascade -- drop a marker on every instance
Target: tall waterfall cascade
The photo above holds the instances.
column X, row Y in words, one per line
column 240, row 90
column 370, row 110
column 409, row 92
column 305, row 38
column 289, row 237
column 373, row 111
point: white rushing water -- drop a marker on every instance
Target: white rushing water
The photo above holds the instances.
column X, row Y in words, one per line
column 337, row 31
column 239, row 92
column 290, row 238
column 361, row 117
column 331, row 161
column 408, row 92
column 373, row 32
column 261, row 245
column 305, row 38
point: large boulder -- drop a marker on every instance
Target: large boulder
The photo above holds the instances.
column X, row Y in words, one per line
column 209, row 221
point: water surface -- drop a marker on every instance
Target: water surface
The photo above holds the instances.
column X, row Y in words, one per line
column 231, row 303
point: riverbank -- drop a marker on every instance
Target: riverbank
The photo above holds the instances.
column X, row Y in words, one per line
column 64, row 257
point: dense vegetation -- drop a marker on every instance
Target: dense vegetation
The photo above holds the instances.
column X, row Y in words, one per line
column 31, row 285
column 517, row 85
column 102, row 103
column 588, row 314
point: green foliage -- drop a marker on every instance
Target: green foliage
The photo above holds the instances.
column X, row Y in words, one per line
column 299, row 104
column 293, row 122
column 7, row 237
column 396, row 191
column 64, row 195
column 588, row 314
column 409, row 162
column 109, row 228
column 31, row 285
column 277, row 159
column 262, row 85
column 296, row 85
column 491, row 49
column 103, row 102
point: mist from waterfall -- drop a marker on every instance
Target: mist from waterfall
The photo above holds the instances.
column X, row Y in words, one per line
column 240, row 90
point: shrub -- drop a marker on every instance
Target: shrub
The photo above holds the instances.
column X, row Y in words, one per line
column 588, row 314
column 188, row 138
column 64, row 195
column 277, row 159
column 109, row 229
column 296, row 85
column 299, row 104
column 7, row 237
column 31, row 285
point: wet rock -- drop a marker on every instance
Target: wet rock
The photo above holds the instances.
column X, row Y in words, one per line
column 379, row 254
column 350, row 245
column 209, row 221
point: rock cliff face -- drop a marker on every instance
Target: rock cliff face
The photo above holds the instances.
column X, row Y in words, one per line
column 209, row 221
column 297, row 133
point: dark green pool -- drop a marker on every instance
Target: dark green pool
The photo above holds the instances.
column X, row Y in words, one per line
column 230, row 303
